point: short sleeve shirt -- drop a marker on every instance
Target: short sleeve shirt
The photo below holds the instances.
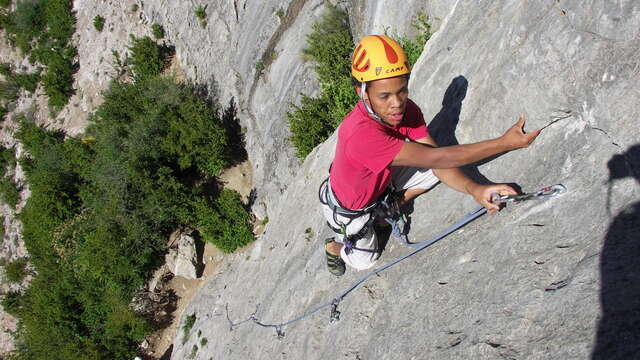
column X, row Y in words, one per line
column 361, row 172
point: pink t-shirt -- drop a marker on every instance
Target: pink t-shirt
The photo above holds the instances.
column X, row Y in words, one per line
column 361, row 168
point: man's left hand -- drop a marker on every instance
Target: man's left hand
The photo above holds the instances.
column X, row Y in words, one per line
column 482, row 195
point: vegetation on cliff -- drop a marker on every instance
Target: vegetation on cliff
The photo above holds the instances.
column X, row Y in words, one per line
column 329, row 46
column 102, row 207
column 42, row 31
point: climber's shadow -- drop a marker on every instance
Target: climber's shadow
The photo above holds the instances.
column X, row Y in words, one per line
column 443, row 126
column 618, row 335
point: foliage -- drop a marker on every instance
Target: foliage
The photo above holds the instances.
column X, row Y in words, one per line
column 42, row 30
column 223, row 221
column 187, row 326
column 280, row 13
column 12, row 302
column 5, row 3
column 7, row 158
column 201, row 14
column 101, row 210
column 98, row 23
column 24, row 24
column 9, row 90
column 8, row 191
column 60, row 21
column 147, row 57
column 27, row 81
column 58, row 79
column 15, row 81
column 413, row 48
column 329, row 45
column 157, row 30
column 259, row 68
column 16, row 271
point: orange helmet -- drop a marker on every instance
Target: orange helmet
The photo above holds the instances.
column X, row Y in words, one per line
column 378, row 57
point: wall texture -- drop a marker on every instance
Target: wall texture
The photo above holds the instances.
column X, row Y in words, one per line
column 540, row 280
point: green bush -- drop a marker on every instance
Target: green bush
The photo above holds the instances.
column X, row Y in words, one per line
column 5, row 69
column 98, row 23
column 310, row 124
column 201, row 14
column 28, row 81
column 16, row 271
column 147, row 58
column 102, row 208
column 26, row 23
column 7, row 158
column 224, row 221
column 14, row 81
column 5, row 3
column 12, row 302
column 9, row 90
column 60, row 21
column 329, row 45
column 42, row 30
column 58, row 79
column 187, row 326
column 3, row 112
column 157, row 30
column 413, row 48
column 8, row 191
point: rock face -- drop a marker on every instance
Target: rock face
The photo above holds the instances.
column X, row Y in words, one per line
column 186, row 261
column 556, row 279
column 249, row 53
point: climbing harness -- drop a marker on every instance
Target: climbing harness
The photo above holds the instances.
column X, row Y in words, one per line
column 386, row 209
column 543, row 194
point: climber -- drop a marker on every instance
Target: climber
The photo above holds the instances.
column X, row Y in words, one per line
column 384, row 152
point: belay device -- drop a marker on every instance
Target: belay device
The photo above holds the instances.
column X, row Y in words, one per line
column 544, row 193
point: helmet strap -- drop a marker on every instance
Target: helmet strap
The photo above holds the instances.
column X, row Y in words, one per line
column 363, row 91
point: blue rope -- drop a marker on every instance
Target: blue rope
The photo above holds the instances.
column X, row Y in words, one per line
column 335, row 314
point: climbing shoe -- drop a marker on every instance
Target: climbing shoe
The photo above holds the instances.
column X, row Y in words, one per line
column 334, row 263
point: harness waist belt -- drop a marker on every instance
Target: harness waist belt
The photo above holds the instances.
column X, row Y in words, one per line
column 328, row 198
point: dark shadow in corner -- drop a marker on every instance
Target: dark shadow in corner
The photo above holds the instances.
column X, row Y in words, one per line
column 235, row 135
column 167, row 354
column 618, row 335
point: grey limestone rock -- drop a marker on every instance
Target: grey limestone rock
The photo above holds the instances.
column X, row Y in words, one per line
column 540, row 280
column 185, row 259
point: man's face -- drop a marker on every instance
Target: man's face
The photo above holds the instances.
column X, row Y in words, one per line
column 388, row 98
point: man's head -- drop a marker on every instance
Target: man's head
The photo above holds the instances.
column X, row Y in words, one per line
column 380, row 73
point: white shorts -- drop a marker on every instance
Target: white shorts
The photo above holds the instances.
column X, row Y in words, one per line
column 402, row 178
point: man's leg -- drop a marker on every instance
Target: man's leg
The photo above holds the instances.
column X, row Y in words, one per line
column 410, row 194
column 356, row 259
column 414, row 181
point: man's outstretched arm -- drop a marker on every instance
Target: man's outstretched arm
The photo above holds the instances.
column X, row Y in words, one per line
column 415, row 154
column 458, row 180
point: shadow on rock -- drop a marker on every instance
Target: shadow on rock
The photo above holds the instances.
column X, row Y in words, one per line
column 618, row 335
column 443, row 126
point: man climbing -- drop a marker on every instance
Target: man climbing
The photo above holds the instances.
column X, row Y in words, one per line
column 384, row 152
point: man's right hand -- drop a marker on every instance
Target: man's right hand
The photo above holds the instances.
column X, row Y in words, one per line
column 516, row 138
